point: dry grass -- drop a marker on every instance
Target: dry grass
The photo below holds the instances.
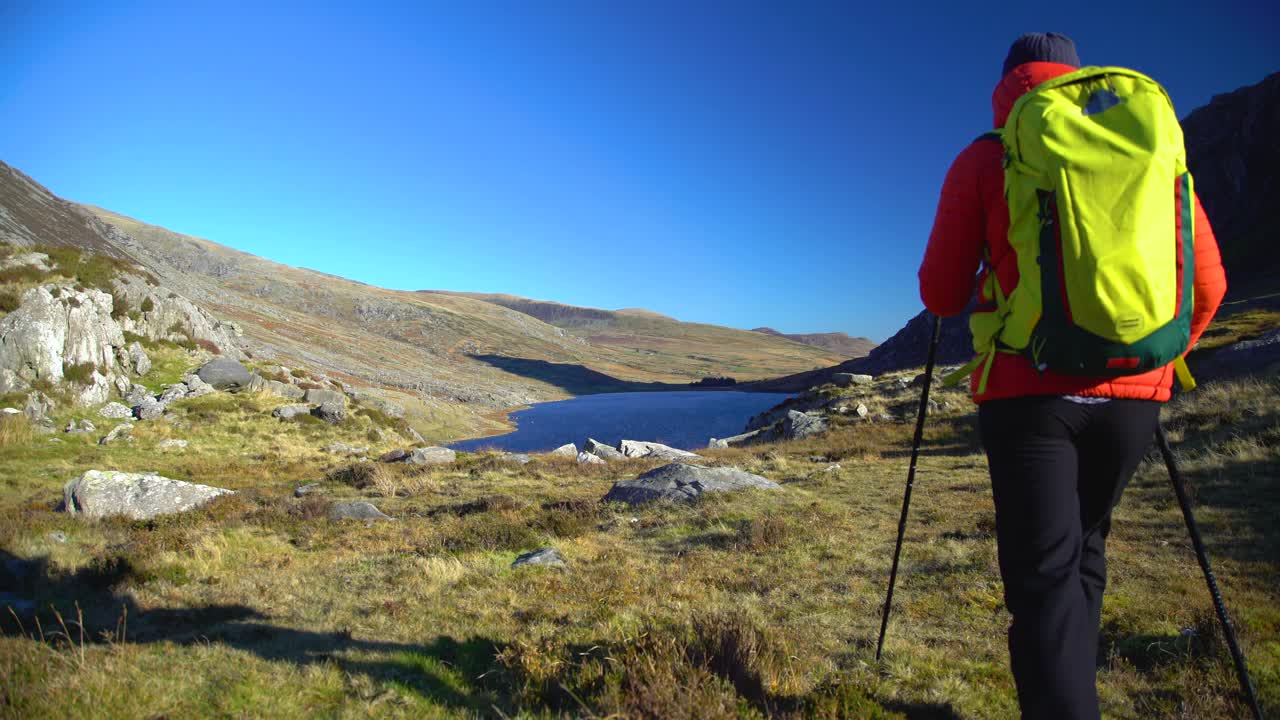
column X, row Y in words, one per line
column 15, row 431
column 749, row 605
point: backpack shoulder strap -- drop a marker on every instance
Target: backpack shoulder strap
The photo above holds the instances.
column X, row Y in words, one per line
column 996, row 135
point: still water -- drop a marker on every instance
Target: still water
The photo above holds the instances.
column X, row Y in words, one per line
column 683, row 419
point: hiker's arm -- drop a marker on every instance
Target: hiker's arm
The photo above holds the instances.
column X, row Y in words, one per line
column 1211, row 279
column 955, row 245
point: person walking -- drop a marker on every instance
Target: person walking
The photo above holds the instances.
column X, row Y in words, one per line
column 1061, row 446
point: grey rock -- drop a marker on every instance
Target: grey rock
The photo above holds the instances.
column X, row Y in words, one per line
column 37, row 260
column 518, row 458
column 431, row 456
column 320, row 397
column 682, row 482
column 862, row 411
column 10, row 411
column 396, row 455
column 586, row 458
column 747, row 438
column 602, row 451
column 341, row 448
column 117, row 432
column 115, row 411
column 851, row 379
column 548, row 557
column 567, row 450
column 122, row 385
column 330, row 412
column 80, row 426
column 641, row 449
column 139, row 362
column 195, row 386
column 54, row 328
column 136, row 395
column 274, row 387
column 369, row 400
column 798, row 425
column 173, row 392
column 308, row 489
column 38, row 407
column 287, row 412
column 172, row 444
column 11, row 382
column 224, row 373
column 149, row 409
column 357, row 511
column 57, row 536
column 100, row 493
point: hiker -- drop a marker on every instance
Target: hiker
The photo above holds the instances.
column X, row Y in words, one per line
column 1060, row 446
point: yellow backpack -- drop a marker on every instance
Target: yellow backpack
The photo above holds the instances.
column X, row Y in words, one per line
column 1095, row 176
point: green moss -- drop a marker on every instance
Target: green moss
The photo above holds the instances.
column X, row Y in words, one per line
column 147, row 305
column 9, row 300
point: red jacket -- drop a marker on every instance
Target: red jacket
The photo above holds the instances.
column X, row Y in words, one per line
column 972, row 215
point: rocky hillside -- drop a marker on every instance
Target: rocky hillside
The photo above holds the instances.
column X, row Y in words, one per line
column 836, row 342
column 1235, row 158
column 450, row 358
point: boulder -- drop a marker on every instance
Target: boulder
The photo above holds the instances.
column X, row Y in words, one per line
column 320, row 397
column 330, row 412
column 115, row 411
column 602, row 451
column 173, row 392
column 288, row 412
column 308, row 489
column 117, row 432
column 396, row 455
column 641, row 449
column 172, row 444
column 100, row 493
column 195, row 386
column 567, row 450
column 862, row 411
column 149, row 409
column 257, row 383
column 747, row 438
column 518, row 458
column 357, row 511
column 137, row 393
column 80, row 426
column 224, row 373
column 798, row 425
column 55, row 328
column 139, row 362
column 430, row 456
column 683, row 482
column 851, row 379
column 586, row 458
column 548, row 557
column 38, row 407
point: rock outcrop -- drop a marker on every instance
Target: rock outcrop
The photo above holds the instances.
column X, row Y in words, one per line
column 684, row 482
column 641, row 449
column 141, row 496
column 224, row 373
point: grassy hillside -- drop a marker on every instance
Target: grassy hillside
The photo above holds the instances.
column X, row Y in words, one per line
column 737, row 606
column 646, row 339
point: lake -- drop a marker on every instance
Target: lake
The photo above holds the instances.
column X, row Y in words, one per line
column 682, row 419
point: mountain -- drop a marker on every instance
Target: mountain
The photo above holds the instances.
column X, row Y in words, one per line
column 836, row 342
column 1234, row 156
column 450, row 358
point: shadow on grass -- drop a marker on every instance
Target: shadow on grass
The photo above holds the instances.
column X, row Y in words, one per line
column 575, row 379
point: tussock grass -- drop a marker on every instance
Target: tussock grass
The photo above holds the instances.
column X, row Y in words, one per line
column 15, row 431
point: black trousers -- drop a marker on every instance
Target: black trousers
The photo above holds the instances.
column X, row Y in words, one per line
column 1058, row 469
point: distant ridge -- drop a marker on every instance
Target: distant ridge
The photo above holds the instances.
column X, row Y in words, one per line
column 836, row 342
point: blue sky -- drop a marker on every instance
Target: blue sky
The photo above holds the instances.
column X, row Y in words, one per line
column 737, row 163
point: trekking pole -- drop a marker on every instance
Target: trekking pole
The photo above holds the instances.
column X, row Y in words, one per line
column 1237, row 656
column 911, row 478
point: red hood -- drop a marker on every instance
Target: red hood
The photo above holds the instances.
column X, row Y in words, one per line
column 1019, row 80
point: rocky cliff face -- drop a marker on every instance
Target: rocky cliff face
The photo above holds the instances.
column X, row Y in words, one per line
column 1233, row 149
